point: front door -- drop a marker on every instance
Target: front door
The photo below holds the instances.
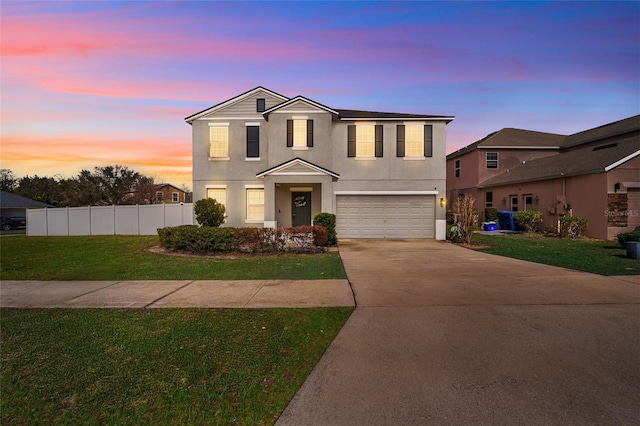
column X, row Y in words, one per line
column 300, row 209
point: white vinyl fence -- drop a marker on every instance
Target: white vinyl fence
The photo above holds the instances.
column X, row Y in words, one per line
column 108, row 220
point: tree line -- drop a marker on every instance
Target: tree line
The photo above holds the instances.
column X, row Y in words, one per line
column 103, row 186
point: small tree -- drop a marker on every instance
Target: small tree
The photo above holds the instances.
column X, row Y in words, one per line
column 209, row 212
column 464, row 207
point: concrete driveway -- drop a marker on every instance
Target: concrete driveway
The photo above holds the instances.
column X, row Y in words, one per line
column 445, row 335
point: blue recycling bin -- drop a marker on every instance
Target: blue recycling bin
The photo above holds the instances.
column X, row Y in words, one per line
column 505, row 220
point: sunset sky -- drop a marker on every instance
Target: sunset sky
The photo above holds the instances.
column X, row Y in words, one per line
column 88, row 84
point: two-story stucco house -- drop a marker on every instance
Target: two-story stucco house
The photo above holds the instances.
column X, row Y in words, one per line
column 275, row 161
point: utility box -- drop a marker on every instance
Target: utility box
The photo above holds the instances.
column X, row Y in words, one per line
column 633, row 249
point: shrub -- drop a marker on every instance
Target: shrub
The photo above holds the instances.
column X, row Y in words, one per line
column 572, row 226
column 468, row 217
column 527, row 219
column 451, row 217
column 628, row 236
column 196, row 239
column 328, row 220
column 490, row 214
column 209, row 212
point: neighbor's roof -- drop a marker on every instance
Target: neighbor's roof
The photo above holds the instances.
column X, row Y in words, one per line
column 9, row 200
column 610, row 130
column 572, row 163
column 514, row 139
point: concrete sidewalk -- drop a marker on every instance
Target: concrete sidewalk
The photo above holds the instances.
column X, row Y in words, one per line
column 176, row 294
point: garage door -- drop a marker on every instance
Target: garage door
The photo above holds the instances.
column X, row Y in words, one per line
column 385, row 216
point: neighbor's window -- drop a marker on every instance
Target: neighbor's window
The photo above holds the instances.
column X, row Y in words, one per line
column 255, row 204
column 159, row 196
column 175, row 197
column 514, row 203
column 492, row 160
column 457, row 168
column 528, row 202
column 218, row 194
column 219, row 141
column 488, row 199
column 414, row 141
column 365, row 141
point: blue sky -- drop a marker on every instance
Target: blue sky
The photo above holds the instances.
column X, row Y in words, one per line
column 88, row 84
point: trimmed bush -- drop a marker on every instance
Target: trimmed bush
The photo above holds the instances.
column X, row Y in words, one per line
column 194, row 239
column 572, row 226
column 209, row 212
column 490, row 214
column 628, row 236
column 328, row 220
column 527, row 219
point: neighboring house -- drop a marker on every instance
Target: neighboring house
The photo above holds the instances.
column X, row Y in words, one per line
column 275, row 161
column 169, row 194
column 12, row 205
column 593, row 174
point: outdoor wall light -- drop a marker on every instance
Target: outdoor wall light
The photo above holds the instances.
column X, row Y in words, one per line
column 535, row 200
column 443, row 202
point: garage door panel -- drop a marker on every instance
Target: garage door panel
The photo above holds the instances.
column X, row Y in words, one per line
column 385, row 216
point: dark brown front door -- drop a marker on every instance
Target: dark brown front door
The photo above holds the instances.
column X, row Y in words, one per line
column 300, row 209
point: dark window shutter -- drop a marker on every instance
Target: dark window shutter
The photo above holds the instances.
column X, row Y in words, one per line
column 309, row 133
column 379, row 140
column 400, row 141
column 351, row 140
column 260, row 105
column 253, row 141
column 289, row 133
column 428, row 140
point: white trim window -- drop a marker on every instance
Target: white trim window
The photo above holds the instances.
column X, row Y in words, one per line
column 218, row 194
column 219, row 141
column 492, row 160
column 299, row 133
column 414, row 141
column 175, row 197
column 365, row 141
column 255, row 204
column 456, row 168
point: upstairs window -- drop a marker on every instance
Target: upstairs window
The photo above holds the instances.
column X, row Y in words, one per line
column 492, row 160
column 414, row 140
column 299, row 133
column 219, row 141
column 260, row 105
column 253, row 141
column 364, row 140
column 456, row 168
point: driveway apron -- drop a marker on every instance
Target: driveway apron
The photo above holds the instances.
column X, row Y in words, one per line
column 445, row 335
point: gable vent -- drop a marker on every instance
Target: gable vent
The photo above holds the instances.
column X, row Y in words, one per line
column 611, row 145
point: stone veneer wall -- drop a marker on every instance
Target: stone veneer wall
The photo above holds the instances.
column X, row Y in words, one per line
column 617, row 210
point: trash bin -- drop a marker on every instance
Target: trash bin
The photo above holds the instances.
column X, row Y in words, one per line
column 489, row 226
column 505, row 220
column 633, row 249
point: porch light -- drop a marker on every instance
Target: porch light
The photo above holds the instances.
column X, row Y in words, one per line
column 443, row 202
column 535, row 200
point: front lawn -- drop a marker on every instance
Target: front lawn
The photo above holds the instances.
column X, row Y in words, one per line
column 595, row 256
column 115, row 257
column 158, row 366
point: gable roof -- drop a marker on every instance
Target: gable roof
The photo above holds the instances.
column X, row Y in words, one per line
column 571, row 163
column 352, row 114
column 297, row 166
column 164, row 185
column 609, row 130
column 9, row 200
column 509, row 138
column 235, row 99
column 298, row 99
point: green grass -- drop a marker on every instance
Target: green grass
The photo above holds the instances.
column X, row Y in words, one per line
column 164, row 366
column 595, row 256
column 127, row 258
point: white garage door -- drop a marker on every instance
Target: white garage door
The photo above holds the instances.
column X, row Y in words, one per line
column 385, row 216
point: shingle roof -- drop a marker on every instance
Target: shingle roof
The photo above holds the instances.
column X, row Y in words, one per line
column 9, row 200
column 572, row 163
column 357, row 114
column 514, row 138
column 616, row 128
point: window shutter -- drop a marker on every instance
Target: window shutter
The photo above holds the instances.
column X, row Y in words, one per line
column 289, row 133
column 428, row 140
column 351, row 140
column 379, row 143
column 310, row 133
column 400, row 140
column 253, row 141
